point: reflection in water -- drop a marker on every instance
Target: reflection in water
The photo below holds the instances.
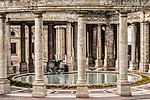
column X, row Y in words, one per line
column 92, row 78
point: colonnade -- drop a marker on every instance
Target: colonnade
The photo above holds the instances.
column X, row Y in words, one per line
column 76, row 52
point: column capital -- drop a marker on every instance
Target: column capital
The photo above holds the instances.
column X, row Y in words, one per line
column 123, row 14
column 38, row 14
column 81, row 17
column 99, row 24
column 68, row 24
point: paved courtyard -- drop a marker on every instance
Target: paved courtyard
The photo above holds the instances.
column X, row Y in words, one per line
column 141, row 92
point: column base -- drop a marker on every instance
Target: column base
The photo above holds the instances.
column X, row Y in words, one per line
column 23, row 67
column 143, row 67
column 31, row 68
column 70, row 67
column 123, row 88
column 74, row 64
column 99, row 63
column 10, row 70
column 133, row 65
column 82, row 91
column 4, row 86
column 111, row 63
column 117, row 65
column 89, row 61
column 39, row 89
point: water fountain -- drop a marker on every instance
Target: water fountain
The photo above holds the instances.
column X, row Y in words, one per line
column 56, row 68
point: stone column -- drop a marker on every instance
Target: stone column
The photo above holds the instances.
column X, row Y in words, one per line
column 69, row 45
column 99, row 62
column 89, row 46
column 8, row 49
column 106, row 48
column 39, row 86
column 81, row 54
column 4, row 83
column 23, row 64
column 123, row 86
column 31, row 65
column 60, row 42
column 94, row 44
column 50, row 45
column 111, row 46
column 133, row 63
column 117, row 60
column 75, row 35
column 144, row 47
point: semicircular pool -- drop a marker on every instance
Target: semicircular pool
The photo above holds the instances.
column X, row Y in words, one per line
column 70, row 79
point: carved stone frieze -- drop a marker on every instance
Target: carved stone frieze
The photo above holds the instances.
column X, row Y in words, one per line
column 46, row 16
column 95, row 19
column 29, row 3
column 114, row 19
column 135, row 17
column 147, row 16
column 60, row 16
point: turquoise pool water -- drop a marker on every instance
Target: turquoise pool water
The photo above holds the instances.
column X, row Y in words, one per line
column 92, row 78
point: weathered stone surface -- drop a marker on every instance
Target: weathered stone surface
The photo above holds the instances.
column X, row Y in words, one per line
column 123, row 89
column 4, row 83
column 28, row 3
column 39, row 88
column 123, row 86
column 81, row 90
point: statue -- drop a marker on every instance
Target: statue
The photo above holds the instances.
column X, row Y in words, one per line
column 56, row 68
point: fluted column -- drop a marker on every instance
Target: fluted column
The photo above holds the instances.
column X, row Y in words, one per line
column 133, row 63
column 69, row 45
column 60, row 42
column 89, row 45
column 74, row 50
column 144, row 47
column 109, row 60
column 23, row 64
column 8, row 49
column 123, row 86
column 50, row 45
column 81, row 54
column 117, row 60
column 39, row 86
column 99, row 62
column 4, row 83
column 31, row 65
column 106, row 48
column 111, row 46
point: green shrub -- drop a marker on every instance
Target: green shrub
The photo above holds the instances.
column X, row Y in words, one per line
column 144, row 79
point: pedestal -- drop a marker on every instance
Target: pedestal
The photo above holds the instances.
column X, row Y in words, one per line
column 99, row 63
column 4, row 86
column 82, row 91
column 39, row 89
column 143, row 67
column 89, row 61
column 133, row 66
column 123, row 89
column 31, row 69
column 23, row 67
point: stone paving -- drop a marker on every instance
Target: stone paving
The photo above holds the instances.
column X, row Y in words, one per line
column 141, row 92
